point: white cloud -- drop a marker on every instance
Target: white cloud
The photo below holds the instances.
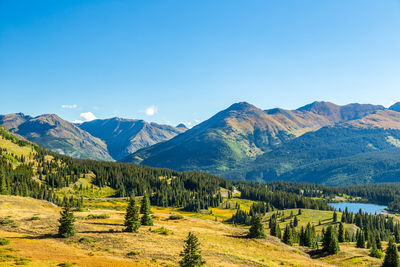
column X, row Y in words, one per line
column 88, row 116
column 151, row 111
column 77, row 121
column 69, row 106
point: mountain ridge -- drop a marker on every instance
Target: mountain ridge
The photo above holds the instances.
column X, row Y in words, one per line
column 242, row 135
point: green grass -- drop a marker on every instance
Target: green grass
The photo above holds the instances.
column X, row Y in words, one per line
column 4, row 241
column 161, row 231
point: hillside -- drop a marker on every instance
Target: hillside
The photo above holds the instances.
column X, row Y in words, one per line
column 246, row 142
column 33, row 241
column 125, row 136
column 206, row 205
column 56, row 134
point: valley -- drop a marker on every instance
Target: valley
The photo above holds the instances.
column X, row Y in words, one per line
column 28, row 227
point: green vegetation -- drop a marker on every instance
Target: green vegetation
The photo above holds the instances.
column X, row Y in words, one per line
column 175, row 217
column 161, row 231
column 146, row 210
column 392, row 255
column 132, row 221
column 4, row 241
column 66, row 228
column 330, row 242
column 257, row 228
column 191, row 254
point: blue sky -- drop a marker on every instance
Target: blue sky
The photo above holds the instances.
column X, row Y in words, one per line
column 183, row 61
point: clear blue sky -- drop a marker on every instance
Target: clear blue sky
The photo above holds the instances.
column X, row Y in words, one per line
column 190, row 59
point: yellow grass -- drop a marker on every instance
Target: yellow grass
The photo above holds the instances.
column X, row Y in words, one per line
column 222, row 244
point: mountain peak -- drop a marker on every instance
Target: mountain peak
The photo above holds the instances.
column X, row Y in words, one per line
column 241, row 106
column 395, row 107
column 181, row 125
column 319, row 107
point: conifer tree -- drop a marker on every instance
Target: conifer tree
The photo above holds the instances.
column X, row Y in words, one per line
column 334, row 216
column 392, row 255
column 295, row 221
column 378, row 241
column 360, row 239
column 374, row 251
column 272, row 226
column 287, row 237
column 191, row 254
column 145, row 209
column 278, row 231
column 341, row 236
column 257, row 228
column 3, row 184
column 330, row 242
column 66, row 228
column 132, row 221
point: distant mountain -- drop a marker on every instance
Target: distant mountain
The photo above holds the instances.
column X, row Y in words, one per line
column 241, row 133
column 395, row 107
column 246, row 142
column 54, row 133
column 125, row 136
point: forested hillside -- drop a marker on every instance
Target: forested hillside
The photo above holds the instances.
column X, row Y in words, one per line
column 319, row 143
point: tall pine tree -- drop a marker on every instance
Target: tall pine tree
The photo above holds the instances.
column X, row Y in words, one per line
column 132, row 221
column 145, row 209
column 341, row 236
column 392, row 255
column 66, row 228
column 330, row 243
column 191, row 254
column 257, row 228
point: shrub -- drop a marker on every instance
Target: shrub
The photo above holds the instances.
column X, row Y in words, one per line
column 65, row 264
column 35, row 218
column 22, row 261
column 86, row 239
column 97, row 216
column 161, row 230
column 4, row 241
column 133, row 253
column 5, row 221
column 175, row 217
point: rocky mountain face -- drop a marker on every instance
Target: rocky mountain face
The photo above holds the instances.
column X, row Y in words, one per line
column 54, row 133
column 244, row 141
column 125, row 136
column 110, row 139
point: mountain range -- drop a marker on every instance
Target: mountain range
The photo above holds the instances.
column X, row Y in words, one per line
column 110, row 139
column 321, row 142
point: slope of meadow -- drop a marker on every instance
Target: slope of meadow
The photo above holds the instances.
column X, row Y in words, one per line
column 31, row 226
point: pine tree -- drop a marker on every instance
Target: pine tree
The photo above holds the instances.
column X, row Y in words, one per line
column 287, row 237
column 334, row 216
column 145, row 209
column 272, row 226
column 378, row 241
column 330, row 243
column 278, row 231
column 191, row 254
column 392, row 255
column 341, row 236
column 360, row 239
column 66, row 228
column 3, row 184
column 132, row 221
column 374, row 251
column 257, row 228
column 295, row 221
